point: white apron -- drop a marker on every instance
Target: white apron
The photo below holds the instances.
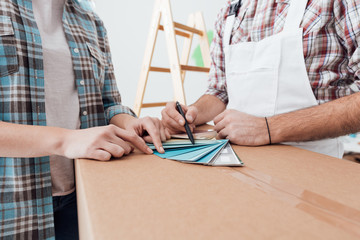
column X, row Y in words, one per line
column 269, row 77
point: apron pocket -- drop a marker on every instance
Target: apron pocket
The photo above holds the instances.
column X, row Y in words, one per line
column 253, row 92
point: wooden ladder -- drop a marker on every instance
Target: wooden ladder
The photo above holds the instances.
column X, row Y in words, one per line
column 178, row 67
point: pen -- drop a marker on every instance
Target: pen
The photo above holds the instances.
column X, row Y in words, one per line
column 187, row 128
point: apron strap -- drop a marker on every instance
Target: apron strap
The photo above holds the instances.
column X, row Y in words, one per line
column 230, row 20
column 295, row 14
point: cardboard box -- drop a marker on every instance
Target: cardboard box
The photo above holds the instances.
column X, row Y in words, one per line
column 282, row 193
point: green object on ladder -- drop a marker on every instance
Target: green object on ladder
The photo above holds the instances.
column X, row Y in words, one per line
column 197, row 56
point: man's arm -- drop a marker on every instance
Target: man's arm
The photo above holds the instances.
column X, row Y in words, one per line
column 214, row 101
column 333, row 119
column 329, row 120
column 208, row 107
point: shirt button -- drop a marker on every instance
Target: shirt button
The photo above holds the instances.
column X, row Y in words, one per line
column 76, row 50
column 85, row 113
column 82, row 82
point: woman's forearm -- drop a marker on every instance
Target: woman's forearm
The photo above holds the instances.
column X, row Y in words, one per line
column 30, row 141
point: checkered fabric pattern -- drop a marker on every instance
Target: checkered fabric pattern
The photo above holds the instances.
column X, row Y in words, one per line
column 25, row 183
column 330, row 40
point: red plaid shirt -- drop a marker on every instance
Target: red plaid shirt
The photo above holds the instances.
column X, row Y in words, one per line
column 331, row 42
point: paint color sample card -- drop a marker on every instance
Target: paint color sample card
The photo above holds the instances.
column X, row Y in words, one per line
column 205, row 152
column 207, row 135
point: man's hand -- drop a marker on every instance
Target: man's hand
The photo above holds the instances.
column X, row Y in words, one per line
column 151, row 129
column 242, row 129
column 101, row 143
column 173, row 120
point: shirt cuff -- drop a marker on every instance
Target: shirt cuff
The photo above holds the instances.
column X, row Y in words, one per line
column 222, row 95
column 118, row 109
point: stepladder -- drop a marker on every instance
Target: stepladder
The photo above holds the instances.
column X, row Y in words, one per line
column 162, row 20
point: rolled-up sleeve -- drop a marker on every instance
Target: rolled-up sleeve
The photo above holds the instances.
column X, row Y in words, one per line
column 217, row 77
column 347, row 25
column 110, row 93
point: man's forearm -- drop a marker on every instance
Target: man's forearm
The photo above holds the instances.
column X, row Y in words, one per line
column 30, row 141
column 333, row 119
column 208, row 107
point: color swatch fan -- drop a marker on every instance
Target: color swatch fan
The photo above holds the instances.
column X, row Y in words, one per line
column 205, row 152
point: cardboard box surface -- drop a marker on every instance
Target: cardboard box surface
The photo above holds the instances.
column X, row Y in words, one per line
column 282, row 193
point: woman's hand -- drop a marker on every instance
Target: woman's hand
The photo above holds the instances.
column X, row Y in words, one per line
column 151, row 129
column 101, row 143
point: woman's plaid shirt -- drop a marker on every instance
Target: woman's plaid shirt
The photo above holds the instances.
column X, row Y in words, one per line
column 331, row 42
column 25, row 184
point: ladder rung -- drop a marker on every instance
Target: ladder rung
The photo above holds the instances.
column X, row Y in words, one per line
column 195, row 69
column 189, row 29
column 150, row 105
column 157, row 69
column 177, row 32
column 183, row 68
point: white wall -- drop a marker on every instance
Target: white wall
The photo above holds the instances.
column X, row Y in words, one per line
column 128, row 25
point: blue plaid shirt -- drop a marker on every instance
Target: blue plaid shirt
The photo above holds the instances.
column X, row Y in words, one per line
column 26, row 210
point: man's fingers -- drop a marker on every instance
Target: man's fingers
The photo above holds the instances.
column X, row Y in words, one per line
column 191, row 114
column 192, row 127
column 219, row 117
column 219, row 126
column 174, row 126
column 134, row 139
column 223, row 134
column 171, row 111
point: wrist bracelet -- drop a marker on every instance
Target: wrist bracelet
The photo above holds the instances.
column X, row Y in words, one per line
column 267, row 125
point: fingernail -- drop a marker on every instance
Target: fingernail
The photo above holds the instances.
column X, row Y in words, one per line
column 162, row 150
column 190, row 118
column 181, row 122
column 149, row 150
